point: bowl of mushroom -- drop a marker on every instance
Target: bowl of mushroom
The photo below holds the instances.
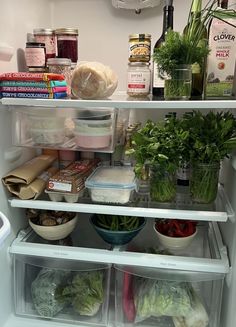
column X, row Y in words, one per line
column 52, row 225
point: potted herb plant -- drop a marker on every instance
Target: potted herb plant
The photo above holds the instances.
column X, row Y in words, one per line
column 212, row 138
column 156, row 145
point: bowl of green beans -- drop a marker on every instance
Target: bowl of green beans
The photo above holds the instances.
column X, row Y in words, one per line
column 117, row 230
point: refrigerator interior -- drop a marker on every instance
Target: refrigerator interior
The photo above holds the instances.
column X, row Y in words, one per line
column 103, row 36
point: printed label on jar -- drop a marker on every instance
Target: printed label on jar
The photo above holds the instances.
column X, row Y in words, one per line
column 49, row 41
column 35, row 57
column 138, row 83
column 139, row 51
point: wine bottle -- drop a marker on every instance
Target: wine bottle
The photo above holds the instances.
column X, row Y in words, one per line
column 158, row 82
column 198, row 69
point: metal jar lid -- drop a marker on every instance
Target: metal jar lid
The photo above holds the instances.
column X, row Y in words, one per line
column 35, row 45
column 71, row 31
column 138, row 64
column 59, row 62
column 140, row 36
column 43, row 31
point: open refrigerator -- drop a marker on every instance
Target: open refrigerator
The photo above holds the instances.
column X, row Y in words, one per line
column 208, row 266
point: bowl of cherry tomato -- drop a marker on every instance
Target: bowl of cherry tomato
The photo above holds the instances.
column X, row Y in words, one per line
column 175, row 233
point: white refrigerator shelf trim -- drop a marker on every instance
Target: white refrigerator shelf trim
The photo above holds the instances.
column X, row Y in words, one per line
column 121, row 258
column 120, row 100
column 122, row 210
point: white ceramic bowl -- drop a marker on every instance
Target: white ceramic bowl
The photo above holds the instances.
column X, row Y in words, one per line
column 174, row 242
column 53, row 233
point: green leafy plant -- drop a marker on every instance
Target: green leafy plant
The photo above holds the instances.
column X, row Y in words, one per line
column 178, row 50
column 212, row 137
column 159, row 146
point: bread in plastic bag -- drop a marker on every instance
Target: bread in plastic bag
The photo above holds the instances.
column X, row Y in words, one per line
column 93, row 80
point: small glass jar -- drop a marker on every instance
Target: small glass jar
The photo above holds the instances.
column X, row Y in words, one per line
column 139, row 47
column 138, row 79
column 35, row 55
column 61, row 66
column 67, row 43
column 46, row 36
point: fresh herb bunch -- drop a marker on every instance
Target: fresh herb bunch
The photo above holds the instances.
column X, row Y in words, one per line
column 118, row 223
column 158, row 144
column 178, row 50
column 212, row 136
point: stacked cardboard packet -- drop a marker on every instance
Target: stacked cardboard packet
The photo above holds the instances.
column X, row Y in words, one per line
column 29, row 180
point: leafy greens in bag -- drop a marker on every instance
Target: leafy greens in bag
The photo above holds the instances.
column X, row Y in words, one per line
column 84, row 292
column 43, row 290
column 154, row 298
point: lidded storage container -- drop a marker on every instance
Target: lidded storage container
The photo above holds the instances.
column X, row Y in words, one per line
column 111, row 184
column 47, row 36
column 61, row 66
column 67, row 43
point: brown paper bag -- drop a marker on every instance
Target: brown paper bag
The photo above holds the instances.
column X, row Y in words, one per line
column 29, row 180
column 35, row 188
column 26, row 173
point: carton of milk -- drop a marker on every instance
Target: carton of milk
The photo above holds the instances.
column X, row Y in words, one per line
column 221, row 60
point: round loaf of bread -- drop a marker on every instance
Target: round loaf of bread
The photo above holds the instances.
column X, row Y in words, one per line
column 93, row 80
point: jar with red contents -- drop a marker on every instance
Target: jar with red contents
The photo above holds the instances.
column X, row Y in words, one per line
column 47, row 36
column 67, row 43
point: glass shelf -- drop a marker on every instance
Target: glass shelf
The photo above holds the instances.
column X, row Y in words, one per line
column 182, row 208
column 120, row 100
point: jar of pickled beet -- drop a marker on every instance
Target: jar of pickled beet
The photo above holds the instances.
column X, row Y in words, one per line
column 67, row 43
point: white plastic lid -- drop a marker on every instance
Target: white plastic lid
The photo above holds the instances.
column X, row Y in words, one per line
column 112, row 177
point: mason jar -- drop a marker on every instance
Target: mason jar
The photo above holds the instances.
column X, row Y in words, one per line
column 61, row 66
column 138, row 79
column 67, row 43
column 47, row 36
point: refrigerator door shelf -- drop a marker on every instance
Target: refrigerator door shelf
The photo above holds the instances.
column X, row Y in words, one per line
column 5, row 228
column 120, row 100
column 220, row 210
column 206, row 254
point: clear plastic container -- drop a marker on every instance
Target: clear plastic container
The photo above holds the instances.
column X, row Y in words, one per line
column 39, row 283
column 111, row 184
column 46, row 123
column 47, row 136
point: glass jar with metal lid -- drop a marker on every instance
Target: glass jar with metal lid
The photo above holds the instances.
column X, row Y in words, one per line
column 67, row 43
column 139, row 47
column 138, row 79
column 47, row 36
column 61, row 66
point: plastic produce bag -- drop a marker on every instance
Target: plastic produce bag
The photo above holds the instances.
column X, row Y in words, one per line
column 196, row 317
column 93, row 80
column 154, row 298
column 84, row 292
column 43, row 290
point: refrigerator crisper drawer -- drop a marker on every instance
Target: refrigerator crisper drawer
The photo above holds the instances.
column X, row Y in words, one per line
column 167, row 298
column 61, row 290
column 65, row 128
